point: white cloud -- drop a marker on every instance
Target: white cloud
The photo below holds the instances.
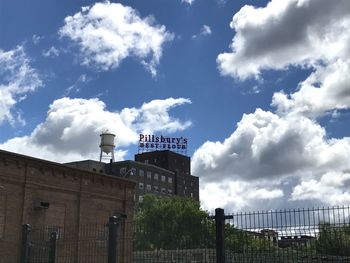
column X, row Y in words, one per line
column 286, row 33
column 36, row 39
column 265, row 145
column 51, row 52
column 326, row 89
column 154, row 116
column 267, row 151
column 205, row 31
column 107, row 33
column 286, row 154
column 72, row 127
column 76, row 85
column 190, row 2
column 17, row 78
column 236, row 195
column 295, row 33
column 332, row 188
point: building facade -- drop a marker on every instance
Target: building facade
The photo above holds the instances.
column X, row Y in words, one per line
column 163, row 173
column 150, row 178
column 185, row 184
column 43, row 193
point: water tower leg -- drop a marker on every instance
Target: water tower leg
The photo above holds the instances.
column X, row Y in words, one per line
column 113, row 155
column 101, row 155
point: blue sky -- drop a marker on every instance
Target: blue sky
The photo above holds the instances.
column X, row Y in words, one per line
column 260, row 88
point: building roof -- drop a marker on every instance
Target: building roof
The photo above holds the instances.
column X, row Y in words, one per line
column 57, row 165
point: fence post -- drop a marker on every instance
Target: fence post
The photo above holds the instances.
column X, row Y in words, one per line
column 52, row 248
column 25, row 243
column 220, row 235
column 112, row 239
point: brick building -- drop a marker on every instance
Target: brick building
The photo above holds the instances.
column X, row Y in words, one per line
column 185, row 184
column 163, row 173
column 43, row 193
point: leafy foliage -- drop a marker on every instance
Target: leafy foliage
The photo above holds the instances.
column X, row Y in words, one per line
column 178, row 223
column 172, row 223
column 333, row 240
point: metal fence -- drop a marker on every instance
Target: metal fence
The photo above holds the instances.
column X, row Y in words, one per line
column 70, row 244
column 295, row 235
column 298, row 235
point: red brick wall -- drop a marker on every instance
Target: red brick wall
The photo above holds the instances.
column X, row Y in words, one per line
column 76, row 197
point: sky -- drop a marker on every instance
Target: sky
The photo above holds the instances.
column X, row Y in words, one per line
column 260, row 89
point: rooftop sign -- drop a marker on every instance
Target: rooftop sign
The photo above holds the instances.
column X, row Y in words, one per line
column 148, row 142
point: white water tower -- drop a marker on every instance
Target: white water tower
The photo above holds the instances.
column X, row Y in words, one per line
column 107, row 145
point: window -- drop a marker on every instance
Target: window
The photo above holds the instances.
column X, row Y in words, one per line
column 163, row 191
column 141, row 173
column 156, row 189
column 170, row 180
column 148, row 187
column 140, row 198
column 141, row 186
column 156, row 176
column 163, row 178
column 146, row 161
column 170, row 192
column 149, row 175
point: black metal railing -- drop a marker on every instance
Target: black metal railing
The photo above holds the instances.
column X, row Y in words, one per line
column 295, row 235
column 70, row 244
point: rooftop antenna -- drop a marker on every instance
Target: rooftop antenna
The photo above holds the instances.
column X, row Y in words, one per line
column 107, row 145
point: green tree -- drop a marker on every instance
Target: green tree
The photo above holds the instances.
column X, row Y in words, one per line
column 180, row 223
column 333, row 240
column 172, row 223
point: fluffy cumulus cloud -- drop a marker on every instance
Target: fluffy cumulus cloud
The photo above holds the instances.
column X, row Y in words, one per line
column 332, row 185
column 72, row 128
column 107, row 33
column 17, row 79
column 284, row 157
column 295, row 33
column 267, row 150
column 269, row 145
column 286, row 33
column 326, row 90
column 237, row 195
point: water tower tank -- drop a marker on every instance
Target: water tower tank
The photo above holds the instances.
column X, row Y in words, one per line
column 107, row 145
column 107, row 142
